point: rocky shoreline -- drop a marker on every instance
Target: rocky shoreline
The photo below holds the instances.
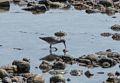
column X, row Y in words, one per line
column 55, row 65
column 109, row 7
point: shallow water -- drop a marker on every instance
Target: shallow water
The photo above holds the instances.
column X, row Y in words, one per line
column 20, row 29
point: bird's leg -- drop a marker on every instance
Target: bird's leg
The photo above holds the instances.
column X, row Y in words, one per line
column 50, row 51
column 50, row 46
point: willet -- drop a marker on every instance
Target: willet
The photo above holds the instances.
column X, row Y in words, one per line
column 53, row 40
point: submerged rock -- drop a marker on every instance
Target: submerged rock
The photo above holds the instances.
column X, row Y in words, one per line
column 105, row 34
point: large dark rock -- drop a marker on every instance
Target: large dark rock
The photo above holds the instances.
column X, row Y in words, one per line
column 5, row 4
column 22, row 66
column 106, row 3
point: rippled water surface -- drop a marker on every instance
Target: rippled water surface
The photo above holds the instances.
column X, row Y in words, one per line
column 20, row 29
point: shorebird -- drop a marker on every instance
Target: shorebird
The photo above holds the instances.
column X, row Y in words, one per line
column 53, row 40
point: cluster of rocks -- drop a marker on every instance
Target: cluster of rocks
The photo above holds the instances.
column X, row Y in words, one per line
column 113, row 78
column 19, row 72
column 104, row 59
column 41, row 6
column 114, row 36
column 56, row 64
column 90, row 6
column 109, row 7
